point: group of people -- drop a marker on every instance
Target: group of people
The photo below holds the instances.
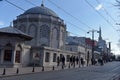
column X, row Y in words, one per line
column 99, row 61
column 72, row 61
column 75, row 60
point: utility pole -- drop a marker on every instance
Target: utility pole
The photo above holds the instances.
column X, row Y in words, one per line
column 93, row 58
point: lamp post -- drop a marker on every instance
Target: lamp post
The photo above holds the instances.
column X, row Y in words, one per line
column 93, row 58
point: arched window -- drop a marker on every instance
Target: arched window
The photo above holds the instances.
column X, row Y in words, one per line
column 44, row 35
column 32, row 31
column 18, row 54
column 8, row 52
column 44, row 31
column 55, row 38
column 55, row 33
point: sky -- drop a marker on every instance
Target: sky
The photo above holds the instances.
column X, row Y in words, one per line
column 80, row 16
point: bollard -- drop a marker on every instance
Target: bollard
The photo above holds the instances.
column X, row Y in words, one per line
column 4, row 71
column 53, row 68
column 42, row 68
column 33, row 70
column 17, row 71
column 69, row 66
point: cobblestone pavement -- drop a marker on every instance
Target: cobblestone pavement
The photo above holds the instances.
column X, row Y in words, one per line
column 110, row 71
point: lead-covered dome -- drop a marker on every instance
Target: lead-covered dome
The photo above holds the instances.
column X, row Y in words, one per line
column 41, row 10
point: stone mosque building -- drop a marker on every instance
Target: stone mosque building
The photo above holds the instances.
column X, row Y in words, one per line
column 48, row 32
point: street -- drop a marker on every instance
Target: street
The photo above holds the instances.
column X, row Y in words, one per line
column 108, row 71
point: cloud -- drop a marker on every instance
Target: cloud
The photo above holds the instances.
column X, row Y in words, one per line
column 115, row 49
column 1, row 23
column 98, row 7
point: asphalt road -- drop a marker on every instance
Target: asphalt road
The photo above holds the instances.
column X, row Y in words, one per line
column 106, row 72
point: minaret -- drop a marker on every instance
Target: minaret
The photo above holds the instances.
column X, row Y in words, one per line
column 100, row 35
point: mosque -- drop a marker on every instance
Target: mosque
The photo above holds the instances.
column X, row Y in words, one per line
column 36, row 37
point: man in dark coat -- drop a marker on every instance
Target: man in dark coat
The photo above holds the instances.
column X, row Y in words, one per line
column 58, row 61
column 77, row 60
column 82, row 62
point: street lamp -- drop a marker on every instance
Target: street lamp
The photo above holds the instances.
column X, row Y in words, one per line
column 93, row 59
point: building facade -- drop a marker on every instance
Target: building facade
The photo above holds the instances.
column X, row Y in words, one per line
column 49, row 33
column 13, row 50
column 44, row 25
column 81, row 46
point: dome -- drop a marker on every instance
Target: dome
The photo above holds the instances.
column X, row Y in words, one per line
column 41, row 10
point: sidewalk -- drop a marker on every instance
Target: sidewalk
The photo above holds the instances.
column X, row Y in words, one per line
column 30, row 70
column 7, row 72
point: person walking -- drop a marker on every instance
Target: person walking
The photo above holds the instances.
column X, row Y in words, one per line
column 82, row 62
column 71, row 60
column 74, row 61
column 63, row 62
column 58, row 61
column 77, row 60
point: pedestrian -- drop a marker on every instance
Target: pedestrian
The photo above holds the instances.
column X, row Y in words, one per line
column 74, row 61
column 93, row 61
column 82, row 62
column 71, row 60
column 77, row 60
column 101, row 62
column 58, row 61
column 63, row 60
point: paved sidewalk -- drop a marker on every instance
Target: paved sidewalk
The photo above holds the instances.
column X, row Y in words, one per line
column 6, row 72
column 97, row 72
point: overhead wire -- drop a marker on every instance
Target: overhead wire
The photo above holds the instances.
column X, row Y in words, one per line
column 76, row 26
column 49, row 0
column 14, row 5
column 108, row 14
column 106, row 11
column 69, row 14
column 65, row 21
column 34, row 5
column 100, row 14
